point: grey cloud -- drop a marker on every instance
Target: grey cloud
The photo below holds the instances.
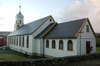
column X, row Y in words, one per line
column 79, row 10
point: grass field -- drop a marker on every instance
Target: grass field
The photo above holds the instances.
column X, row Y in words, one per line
column 98, row 49
column 1, row 50
column 11, row 57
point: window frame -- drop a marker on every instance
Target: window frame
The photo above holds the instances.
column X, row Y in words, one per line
column 27, row 45
column 87, row 28
column 53, row 44
column 68, row 46
column 47, row 43
column 23, row 41
column 60, row 45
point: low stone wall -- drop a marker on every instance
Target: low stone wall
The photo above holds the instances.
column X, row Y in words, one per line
column 52, row 61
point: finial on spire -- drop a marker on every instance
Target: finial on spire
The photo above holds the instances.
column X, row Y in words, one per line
column 20, row 8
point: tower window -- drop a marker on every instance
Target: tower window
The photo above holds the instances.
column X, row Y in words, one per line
column 20, row 21
column 50, row 20
column 17, row 25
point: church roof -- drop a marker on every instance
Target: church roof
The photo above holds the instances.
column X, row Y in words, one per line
column 65, row 30
column 29, row 28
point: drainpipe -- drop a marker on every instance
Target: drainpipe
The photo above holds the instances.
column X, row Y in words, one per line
column 43, row 48
column 80, row 42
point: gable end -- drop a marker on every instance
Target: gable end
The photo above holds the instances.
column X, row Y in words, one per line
column 80, row 30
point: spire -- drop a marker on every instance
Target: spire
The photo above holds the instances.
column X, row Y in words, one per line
column 20, row 8
column 19, row 19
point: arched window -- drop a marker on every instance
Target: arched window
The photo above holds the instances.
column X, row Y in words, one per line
column 47, row 43
column 19, row 40
column 61, row 44
column 53, row 44
column 23, row 41
column 20, row 21
column 87, row 28
column 70, row 46
column 50, row 20
column 27, row 42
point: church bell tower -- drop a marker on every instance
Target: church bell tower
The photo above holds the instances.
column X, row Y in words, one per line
column 19, row 19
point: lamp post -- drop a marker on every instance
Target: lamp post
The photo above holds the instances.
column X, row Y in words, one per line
column 80, row 41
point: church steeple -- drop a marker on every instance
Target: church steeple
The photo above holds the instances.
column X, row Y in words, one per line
column 19, row 19
column 19, row 8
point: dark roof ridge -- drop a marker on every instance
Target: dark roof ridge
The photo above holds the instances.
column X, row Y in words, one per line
column 37, row 19
column 29, row 27
column 72, row 21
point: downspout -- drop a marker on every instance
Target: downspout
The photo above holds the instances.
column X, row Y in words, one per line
column 43, row 48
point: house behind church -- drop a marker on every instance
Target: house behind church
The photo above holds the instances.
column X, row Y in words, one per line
column 47, row 37
column 3, row 38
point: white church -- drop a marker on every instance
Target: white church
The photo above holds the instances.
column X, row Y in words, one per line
column 51, row 39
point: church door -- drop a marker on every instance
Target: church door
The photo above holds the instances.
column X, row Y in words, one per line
column 87, row 47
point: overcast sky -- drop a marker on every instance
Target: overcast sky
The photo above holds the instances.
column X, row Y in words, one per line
column 61, row 10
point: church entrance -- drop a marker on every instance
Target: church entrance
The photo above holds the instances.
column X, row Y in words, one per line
column 87, row 47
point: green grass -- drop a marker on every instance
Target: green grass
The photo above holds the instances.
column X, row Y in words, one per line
column 98, row 49
column 1, row 50
column 11, row 57
column 98, row 41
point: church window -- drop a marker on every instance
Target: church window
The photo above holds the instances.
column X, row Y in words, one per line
column 53, row 44
column 70, row 46
column 14, row 40
column 87, row 28
column 23, row 41
column 20, row 21
column 27, row 42
column 61, row 45
column 47, row 43
column 17, row 25
column 11, row 40
column 19, row 41
column 50, row 20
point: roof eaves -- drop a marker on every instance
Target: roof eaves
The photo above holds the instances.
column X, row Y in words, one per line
column 40, row 25
column 49, row 30
column 60, row 38
column 77, row 34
